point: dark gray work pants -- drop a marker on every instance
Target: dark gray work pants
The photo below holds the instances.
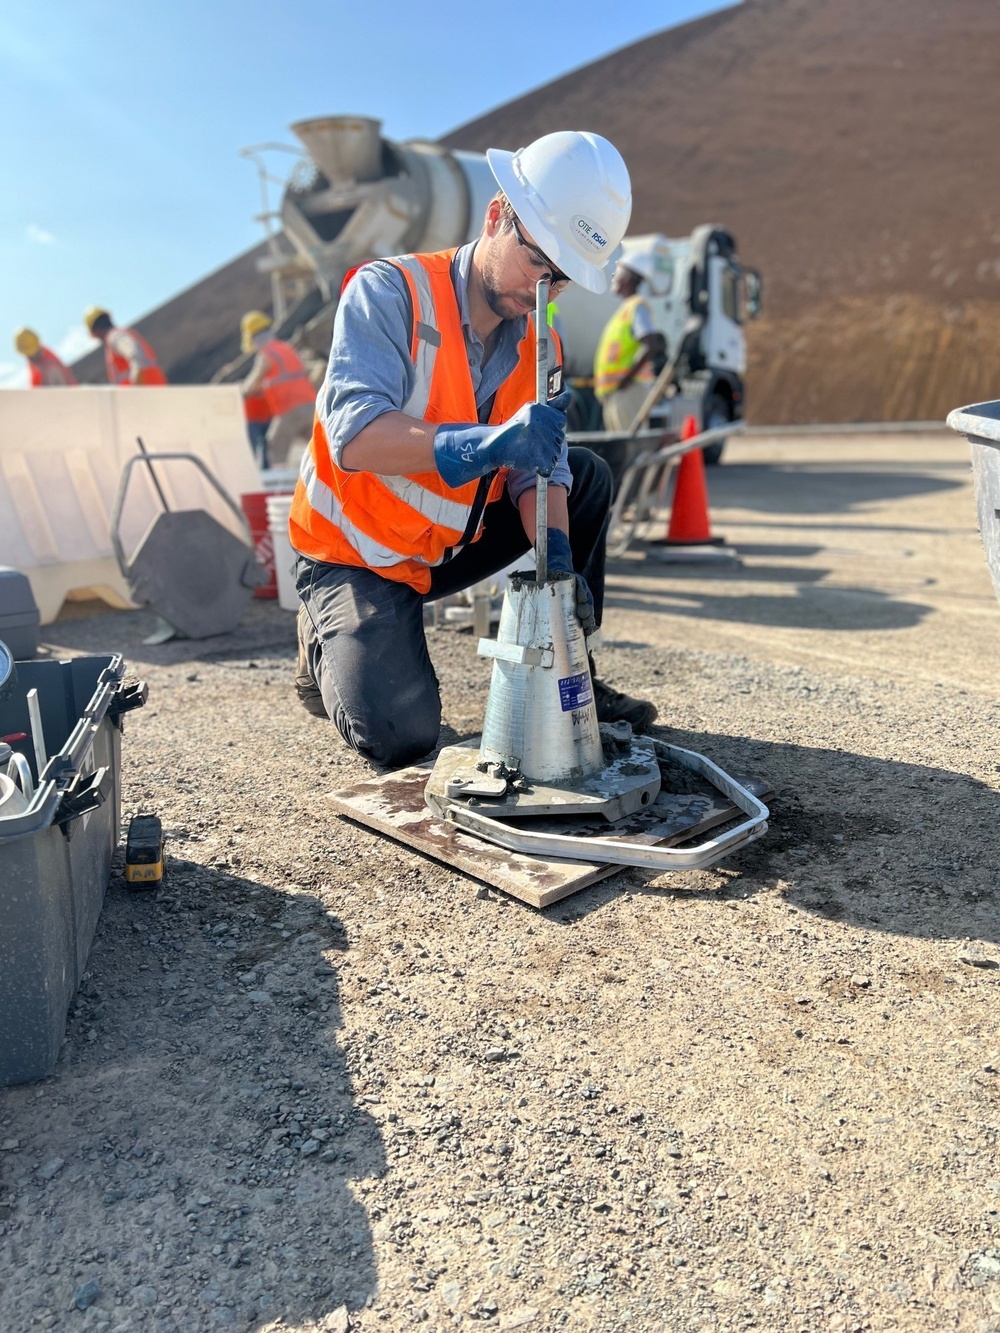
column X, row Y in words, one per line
column 368, row 654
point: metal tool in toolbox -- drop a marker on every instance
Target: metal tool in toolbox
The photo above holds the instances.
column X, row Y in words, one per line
column 196, row 574
column 543, row 752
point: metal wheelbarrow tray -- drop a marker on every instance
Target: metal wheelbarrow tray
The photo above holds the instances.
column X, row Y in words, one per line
column 980, row 422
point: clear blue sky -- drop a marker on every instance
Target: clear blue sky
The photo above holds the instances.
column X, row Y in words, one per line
column 120, row 176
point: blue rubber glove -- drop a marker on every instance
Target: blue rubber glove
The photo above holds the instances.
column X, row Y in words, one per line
column 561, row 562
column 530, row 441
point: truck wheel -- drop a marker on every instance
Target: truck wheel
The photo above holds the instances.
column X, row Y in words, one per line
column 715, row 413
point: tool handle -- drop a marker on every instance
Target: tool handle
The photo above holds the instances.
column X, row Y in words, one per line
column 153, row 477
column 541, row 396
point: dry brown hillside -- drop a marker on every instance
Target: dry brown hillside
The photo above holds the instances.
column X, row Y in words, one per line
column 852, row 148
column 849, row 144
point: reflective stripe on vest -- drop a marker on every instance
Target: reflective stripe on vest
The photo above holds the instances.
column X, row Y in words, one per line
column 617, row 350
column 119, row 368
column 402, row 526
column 286, row 384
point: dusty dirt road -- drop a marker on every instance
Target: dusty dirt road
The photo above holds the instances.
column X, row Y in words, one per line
column 317, row 1082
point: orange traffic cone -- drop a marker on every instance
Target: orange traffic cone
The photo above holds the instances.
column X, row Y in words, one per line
column 689, row 537
column 689, row 521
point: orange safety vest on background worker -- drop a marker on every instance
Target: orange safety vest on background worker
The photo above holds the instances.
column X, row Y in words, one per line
column 255, row 407
column 119, row 367
column 401, row 526
column 48, row 372
column 286, row 384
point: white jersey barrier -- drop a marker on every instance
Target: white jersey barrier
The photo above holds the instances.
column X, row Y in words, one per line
column 61, row 456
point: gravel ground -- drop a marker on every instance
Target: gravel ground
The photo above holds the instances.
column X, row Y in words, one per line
column 318, row 1082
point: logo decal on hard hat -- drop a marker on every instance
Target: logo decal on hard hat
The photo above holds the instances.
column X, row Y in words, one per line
column 589, row 233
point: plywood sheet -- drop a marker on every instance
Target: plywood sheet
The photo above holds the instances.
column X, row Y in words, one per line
column 393, row 805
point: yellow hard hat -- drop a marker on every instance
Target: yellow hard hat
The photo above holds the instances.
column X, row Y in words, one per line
column 92, row 314
column 27, row 342
column 254, row 321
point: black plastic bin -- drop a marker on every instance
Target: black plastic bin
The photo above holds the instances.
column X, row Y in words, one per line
column 55, row 855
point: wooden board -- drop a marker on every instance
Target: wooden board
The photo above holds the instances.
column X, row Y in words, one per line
column 393, row 805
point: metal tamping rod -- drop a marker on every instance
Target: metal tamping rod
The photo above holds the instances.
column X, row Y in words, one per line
column 541, row 396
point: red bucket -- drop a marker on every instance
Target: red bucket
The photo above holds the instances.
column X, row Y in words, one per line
column 254, row 506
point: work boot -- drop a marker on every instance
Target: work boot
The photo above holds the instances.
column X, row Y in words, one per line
column 310, row 695
column 614, row 706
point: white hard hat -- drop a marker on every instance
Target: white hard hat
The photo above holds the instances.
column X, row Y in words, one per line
column 573, row 194
column 651, row 258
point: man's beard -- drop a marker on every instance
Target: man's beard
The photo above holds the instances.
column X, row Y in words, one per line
column 504, row 306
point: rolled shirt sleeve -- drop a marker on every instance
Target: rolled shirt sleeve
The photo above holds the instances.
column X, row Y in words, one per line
column 369, row 371
column 124, row 344
column 643, row 323
column 518, row 482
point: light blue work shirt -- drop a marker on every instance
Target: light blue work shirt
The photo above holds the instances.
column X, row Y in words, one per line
column 370, row 371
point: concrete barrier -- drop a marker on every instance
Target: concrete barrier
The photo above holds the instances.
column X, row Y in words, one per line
column 61, row 456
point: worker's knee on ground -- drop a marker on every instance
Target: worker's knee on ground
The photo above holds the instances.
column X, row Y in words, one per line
column 400, row 737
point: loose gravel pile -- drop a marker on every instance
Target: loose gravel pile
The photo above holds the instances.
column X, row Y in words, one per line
column 319, row 1082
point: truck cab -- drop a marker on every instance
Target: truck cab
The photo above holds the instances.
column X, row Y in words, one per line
column 701, row 297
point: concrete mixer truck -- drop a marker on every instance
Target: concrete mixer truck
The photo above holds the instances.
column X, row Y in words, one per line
column 355, row 195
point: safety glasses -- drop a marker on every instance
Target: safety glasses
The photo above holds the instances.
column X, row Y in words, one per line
column 539, row 260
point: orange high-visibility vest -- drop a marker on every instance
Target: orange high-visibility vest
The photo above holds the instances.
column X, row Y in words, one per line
column 118, row 368
column 48, row 372
column 255, row 407
column 286, row 381
column 402, row 526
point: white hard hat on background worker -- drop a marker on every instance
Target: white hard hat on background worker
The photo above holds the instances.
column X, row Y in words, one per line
column 573, row 194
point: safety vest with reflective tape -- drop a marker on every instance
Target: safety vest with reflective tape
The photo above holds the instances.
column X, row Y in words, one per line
column 255, row 407
column 286, row 384
column 119, row 367
column 402, row 526
column 618, row 349
column 48, row 372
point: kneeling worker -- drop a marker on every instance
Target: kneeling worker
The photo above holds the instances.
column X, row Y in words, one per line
column 45, row 368
column 421, row 474
column 631, row 352
column 279, row 399
column 128, row 357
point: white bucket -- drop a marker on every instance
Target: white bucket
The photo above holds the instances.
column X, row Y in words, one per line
column 278, row 507
column 12, row 799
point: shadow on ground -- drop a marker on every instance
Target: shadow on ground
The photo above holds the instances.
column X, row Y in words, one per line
column 810, row 607
column 812, row 488
column 888, row 846
column 201, row 1116
column 94, row 627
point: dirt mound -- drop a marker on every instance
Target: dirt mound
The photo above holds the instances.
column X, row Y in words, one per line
column 843, row 143
column 873, row 358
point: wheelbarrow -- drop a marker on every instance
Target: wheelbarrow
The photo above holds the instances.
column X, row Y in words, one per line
column 195, row 573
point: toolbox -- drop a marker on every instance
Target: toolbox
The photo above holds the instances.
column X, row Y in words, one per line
column 19, row 616
column 56, row 844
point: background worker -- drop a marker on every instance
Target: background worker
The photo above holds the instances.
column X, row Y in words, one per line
column 631, row 352
column 45, row 368
column 421, row 474
column 128, row 357
column 279, row 399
